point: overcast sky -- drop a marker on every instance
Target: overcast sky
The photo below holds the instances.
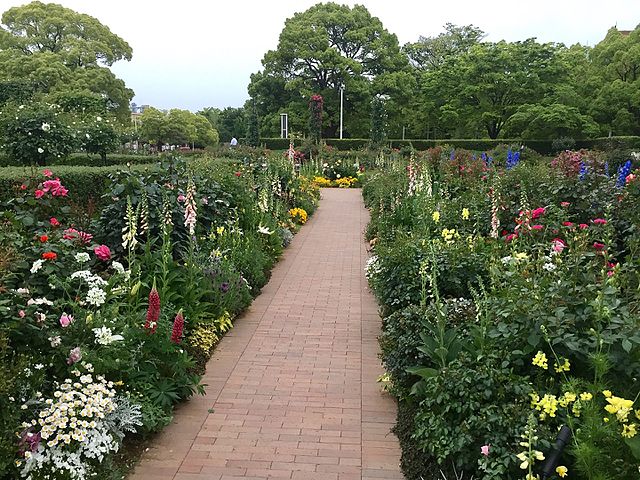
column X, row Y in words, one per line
column 192, row 54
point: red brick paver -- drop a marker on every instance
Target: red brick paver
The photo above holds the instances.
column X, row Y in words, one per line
column 292, row 389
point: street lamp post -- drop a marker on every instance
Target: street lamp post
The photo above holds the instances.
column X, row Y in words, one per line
column 341, row 107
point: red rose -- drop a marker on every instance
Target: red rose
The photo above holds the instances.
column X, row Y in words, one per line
column 49, row 255
column 54, row 222
column 43, row 238
column 39, row 193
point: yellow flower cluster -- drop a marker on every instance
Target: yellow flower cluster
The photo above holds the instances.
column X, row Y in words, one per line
column 547, row 405
column 465, row 214
column 564, row 367
column 321, row 181
column 346, row 182
column 206, row 335
column 435, row 216
column 449, row 235
column 299, row 215
column 75, row 409
column 622, row 408
column 540, row 360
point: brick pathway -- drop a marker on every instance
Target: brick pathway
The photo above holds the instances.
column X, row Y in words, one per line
column 292, row 389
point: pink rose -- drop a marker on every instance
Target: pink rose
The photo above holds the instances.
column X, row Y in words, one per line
column 565, row 204
column 583, row 226
column 511, row 237
column 21, row 314
column 598, row 246
column 567, row 224
column 54, row 222
column 102, row 252
column 181, row 198
column 47, row 173
column 66, row 320
column 484, row 450
column 599, row 221
column 39, row 193
column 536, row 227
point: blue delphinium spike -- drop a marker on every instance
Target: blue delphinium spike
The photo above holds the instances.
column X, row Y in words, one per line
column 484, row 157
column 606, row 169
column 453, row 155
column 489, row 161
column 623, row 172
column 583, row 171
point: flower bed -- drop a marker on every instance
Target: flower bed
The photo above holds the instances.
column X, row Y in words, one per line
column 107, row 319
column 509, row 291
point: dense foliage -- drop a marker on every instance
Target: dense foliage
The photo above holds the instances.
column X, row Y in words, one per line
column 509, row 288
column 109, row 315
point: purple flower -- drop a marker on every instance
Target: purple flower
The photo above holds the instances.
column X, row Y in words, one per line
column 224, row 287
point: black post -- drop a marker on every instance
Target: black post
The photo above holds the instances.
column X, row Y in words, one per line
column 553, row 459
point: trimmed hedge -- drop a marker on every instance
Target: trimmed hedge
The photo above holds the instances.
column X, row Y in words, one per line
column 479, row 144
column 85, row 183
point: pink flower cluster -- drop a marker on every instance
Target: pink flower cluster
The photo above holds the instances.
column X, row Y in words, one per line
column 54, row 187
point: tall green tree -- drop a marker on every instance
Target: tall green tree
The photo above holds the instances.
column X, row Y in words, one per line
column 54, row 49
column 320, row 50
column 616, row 73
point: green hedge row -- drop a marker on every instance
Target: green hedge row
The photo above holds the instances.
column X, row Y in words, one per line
column 540, row 146
column 91, row 160
column 85, row 183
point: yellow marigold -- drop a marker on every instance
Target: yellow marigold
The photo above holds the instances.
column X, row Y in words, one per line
column 540, row 360
column 586, row 396
column 299, row 215
column 629, row 431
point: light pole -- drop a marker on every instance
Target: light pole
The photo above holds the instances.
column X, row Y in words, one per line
column 341, row 106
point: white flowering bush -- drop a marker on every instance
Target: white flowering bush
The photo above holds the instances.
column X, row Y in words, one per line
column 36, row 132
column 75, row 429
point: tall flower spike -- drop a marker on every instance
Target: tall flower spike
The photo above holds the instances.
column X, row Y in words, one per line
column 130, row 228
column 178, row 327
column 153, row 311
column 190, row 208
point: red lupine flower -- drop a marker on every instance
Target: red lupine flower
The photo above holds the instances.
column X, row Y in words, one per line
column 537, row 213
column 178, row 327
column 54, row 222
column 102, row 252
column 599, row 221
column 43, row 238
column 153, row 311
column 39, row 193
column 598, row 246
column 49, row 255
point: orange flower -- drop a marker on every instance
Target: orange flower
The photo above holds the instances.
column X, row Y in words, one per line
column 49, row 255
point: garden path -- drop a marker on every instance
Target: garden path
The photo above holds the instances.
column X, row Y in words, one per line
column 292, row 389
